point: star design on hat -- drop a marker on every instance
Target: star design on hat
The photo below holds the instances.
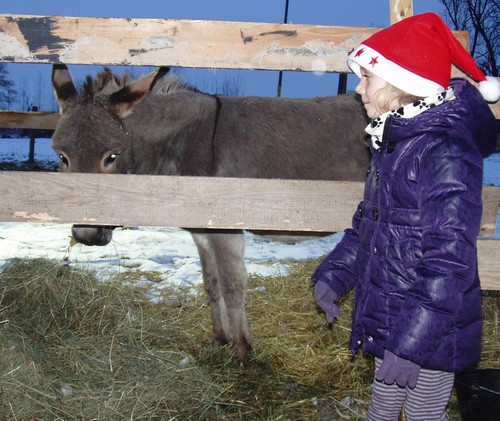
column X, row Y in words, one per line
column 374, row 61
column 360, row 51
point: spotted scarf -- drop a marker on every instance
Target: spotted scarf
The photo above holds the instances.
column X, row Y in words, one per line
column 376, row 128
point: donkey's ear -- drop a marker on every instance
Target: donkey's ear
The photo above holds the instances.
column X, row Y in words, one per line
column 64, row 87
column 131, row 94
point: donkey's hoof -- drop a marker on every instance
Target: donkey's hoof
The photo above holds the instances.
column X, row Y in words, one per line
column 242, row 351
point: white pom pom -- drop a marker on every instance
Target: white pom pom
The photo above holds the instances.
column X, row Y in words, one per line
column 490, row 89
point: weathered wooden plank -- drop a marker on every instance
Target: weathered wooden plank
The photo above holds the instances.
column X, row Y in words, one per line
column 290, row 205
column 491, row 203
column 488, row 255
column 200, row 202
column 185, row 43
column 196, row 202
column 28, row 120
column 178, row 201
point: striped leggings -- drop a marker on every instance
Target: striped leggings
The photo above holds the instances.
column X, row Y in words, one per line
column 426, row 402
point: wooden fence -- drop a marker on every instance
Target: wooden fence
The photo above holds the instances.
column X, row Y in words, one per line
column 289, row 205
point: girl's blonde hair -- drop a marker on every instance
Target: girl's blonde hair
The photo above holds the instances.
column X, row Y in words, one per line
column 390, row 94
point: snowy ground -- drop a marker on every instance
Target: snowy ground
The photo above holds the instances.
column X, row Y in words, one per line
column 170, row 252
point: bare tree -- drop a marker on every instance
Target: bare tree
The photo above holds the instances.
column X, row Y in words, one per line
column 7, row 90
column 224, row 83
column 232, row 86
column 25, row 96
column 480, row 19
column 10, row 97
column 38, row 86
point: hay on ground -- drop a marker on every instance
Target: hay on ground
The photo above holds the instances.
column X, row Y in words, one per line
column 74, row 348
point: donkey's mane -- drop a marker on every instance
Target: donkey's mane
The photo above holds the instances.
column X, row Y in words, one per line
column 106, row 82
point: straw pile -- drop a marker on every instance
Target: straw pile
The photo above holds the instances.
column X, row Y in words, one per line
column 73, row 348
column 77, row 349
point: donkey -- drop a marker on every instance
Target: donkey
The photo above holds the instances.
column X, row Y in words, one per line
column 159, row 125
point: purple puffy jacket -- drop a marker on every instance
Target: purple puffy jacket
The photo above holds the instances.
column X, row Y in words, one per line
column 411, row 252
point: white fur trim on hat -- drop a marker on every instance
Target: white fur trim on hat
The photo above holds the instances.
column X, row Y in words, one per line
column 393, row 73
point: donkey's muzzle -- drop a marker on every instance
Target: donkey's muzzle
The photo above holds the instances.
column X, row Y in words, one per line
column 92, row 235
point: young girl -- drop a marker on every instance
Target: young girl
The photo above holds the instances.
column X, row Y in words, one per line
column 411, row 252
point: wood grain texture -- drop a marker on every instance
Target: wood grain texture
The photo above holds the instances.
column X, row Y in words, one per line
column 488, row 260
column 491, row 203
column 184, row 43
column 28, row 120
column 200, row 202
column 195, row 202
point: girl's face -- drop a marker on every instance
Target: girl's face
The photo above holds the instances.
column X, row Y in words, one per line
column 374, row 94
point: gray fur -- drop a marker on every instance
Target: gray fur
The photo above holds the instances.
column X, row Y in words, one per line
column 158, row 125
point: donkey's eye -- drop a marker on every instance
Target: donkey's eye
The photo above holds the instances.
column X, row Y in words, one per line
column 111, row 158
column 63, row 159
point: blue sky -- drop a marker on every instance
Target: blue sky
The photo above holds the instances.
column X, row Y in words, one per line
column 369, row 13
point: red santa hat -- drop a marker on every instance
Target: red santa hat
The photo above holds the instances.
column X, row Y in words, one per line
column 416, row 55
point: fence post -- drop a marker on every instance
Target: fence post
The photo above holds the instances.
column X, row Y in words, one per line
column 400, row 9
column 342, row 89
column 31, row 156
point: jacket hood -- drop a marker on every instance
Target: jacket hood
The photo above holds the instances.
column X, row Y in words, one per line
column 467, row 116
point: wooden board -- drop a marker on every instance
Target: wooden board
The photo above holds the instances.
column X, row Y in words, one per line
column 200, row 202
column 491, row 203
column 184, row 43
column 195, row 202
column 28, row 120
column 488, row 253
column 400, row 9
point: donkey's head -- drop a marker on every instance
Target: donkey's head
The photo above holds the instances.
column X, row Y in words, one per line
column 91, row 135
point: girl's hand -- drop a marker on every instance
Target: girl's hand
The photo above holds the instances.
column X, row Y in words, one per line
column 395, row 369
column 325, row 297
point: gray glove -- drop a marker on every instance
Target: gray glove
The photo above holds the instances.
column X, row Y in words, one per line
column 325, row 298
column 395, row 369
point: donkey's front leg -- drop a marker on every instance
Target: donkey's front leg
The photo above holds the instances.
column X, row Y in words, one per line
column 228, row 250
column 220, row 325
